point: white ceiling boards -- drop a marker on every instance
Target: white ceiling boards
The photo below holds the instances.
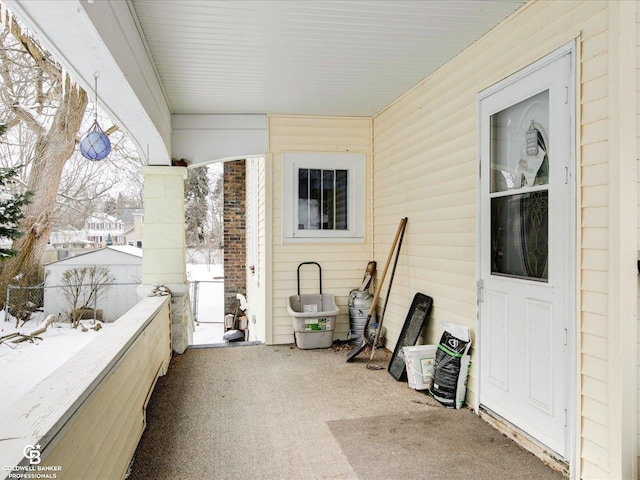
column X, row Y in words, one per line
column 348, row 58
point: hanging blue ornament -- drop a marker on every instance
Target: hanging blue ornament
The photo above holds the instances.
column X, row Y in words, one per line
column 95, row 145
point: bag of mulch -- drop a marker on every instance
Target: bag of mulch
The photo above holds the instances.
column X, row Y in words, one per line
column 451, row 366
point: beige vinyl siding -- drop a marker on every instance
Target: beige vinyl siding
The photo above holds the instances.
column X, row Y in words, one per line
column 100, row 440
column 425, row 167
column 256, row 284
column 343, row 264
column 594, row 396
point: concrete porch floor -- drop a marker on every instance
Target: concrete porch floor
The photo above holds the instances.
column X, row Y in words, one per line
column 282, row 413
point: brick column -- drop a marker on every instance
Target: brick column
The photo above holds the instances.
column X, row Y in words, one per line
column 163, row 259
column 235, row 250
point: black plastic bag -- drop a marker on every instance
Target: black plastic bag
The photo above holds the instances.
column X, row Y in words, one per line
column 451, row 367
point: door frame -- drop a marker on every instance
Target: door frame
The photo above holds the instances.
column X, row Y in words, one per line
column 571, row 262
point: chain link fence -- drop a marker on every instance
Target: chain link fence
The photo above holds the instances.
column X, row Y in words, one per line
column 38, row 302
column 111, row 302
column 208, row 301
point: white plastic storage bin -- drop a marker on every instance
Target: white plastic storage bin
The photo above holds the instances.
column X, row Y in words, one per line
column 314, row 319
column 419, row 362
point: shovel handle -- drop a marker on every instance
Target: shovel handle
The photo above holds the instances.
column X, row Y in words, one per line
column 372, row 309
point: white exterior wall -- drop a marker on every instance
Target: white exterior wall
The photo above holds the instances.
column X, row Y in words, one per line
column 425, row 167
column 343, row 264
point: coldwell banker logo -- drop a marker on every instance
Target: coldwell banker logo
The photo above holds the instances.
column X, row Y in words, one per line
column 34, row 469
column 32, row 452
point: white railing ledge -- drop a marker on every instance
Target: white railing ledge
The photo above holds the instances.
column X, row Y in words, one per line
column 42, row 412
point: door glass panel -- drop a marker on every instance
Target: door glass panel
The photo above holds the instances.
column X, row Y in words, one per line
column 519, row 164
column 520, row 235
column 519, row 145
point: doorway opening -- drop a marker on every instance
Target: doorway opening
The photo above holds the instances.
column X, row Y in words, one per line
column 224, row 258
column 204, row 238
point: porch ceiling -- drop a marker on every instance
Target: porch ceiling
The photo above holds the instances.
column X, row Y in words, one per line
column 158, row 58
column 347, row 57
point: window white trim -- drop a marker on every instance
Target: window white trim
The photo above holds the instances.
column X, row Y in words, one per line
column 355, row 165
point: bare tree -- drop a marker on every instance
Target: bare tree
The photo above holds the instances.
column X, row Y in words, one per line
column 44, row 112
column 55, row 130
column 82, row 287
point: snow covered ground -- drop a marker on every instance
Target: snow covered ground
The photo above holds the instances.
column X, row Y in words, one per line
column 25, row 364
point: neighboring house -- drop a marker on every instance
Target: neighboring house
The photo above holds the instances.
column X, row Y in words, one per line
column 105, row 230
column 123, row 262
column 514, row 158
column 69, row 238
column 132, row 220
column 102, row 230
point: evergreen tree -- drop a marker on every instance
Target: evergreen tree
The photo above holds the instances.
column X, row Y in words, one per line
column 196, row 193
column 10, row 209
column 110, row 207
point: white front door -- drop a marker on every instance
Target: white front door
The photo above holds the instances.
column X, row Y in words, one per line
column 526, row 246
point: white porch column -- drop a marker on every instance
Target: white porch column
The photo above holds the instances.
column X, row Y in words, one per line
column 163, row 261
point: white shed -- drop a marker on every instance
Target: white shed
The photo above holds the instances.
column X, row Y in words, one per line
column 125, row 265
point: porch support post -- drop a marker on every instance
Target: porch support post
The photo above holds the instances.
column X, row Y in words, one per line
column 623, row 243
column 163, row 260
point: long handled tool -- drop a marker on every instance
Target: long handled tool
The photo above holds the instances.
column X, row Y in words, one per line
column 371, row 365
column 356, row 350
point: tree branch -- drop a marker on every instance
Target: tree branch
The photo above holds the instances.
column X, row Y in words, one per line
column 46, row 64
column 27, row 117
column 12, row 122
column 112, row 129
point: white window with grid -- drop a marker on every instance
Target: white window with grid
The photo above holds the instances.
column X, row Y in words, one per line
column 323, row 197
